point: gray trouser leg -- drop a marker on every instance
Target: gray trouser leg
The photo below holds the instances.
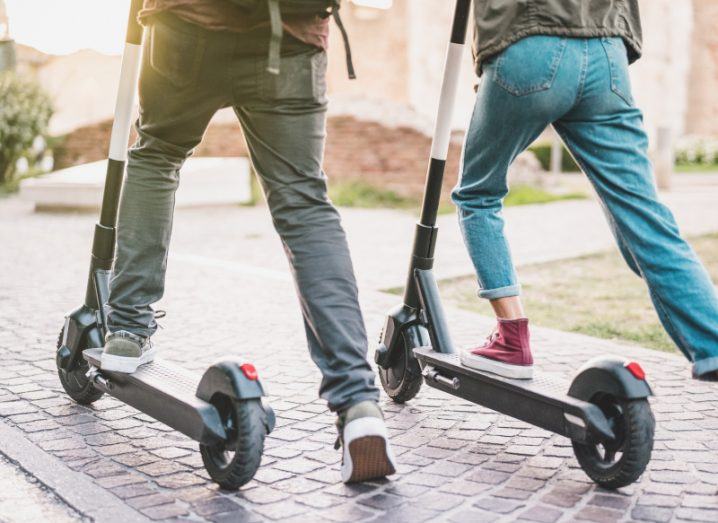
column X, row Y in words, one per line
column 143, row 235
column 187, row 75
column 286, row 145
column 171, row 124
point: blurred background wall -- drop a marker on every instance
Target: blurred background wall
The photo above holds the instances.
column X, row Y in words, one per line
column 380, row 124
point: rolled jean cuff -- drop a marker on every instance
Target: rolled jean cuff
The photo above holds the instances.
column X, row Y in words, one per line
column 501, row 292
column 704, row 366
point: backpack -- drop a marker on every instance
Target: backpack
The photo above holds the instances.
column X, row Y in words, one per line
column 273, row 10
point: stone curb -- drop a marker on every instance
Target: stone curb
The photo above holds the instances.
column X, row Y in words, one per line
column 72, row 487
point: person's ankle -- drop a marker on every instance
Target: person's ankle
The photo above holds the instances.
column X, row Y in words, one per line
column 509, row 307
column 361, row 409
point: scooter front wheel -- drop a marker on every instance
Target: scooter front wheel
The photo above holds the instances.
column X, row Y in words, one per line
column 75, row 381
column 233, row 462
column 402, row 379
column 621, row 462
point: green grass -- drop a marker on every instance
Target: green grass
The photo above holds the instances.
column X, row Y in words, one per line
column 594, row 295
column 357, row 193
column 691, row 168
column 364, row 195
column 526, row 194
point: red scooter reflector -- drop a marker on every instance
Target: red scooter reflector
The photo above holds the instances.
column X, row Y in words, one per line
column 249, row 371
column 635, row 369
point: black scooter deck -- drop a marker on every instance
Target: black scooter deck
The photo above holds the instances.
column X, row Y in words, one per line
column 540, row 401
column 165, row 392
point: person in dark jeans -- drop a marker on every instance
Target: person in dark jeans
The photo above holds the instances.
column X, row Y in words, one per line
column 200, row 57
column 565, row 63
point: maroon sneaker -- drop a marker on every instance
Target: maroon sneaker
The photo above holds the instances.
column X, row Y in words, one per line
column 708, row 376
column 506, row 353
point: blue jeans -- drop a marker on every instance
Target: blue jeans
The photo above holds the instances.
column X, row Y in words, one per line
column 582, row 88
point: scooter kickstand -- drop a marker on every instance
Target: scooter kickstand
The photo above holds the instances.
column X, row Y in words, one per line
column 432, row 374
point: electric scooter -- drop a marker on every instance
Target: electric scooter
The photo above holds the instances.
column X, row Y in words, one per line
column 223, row 409
column 606, row 413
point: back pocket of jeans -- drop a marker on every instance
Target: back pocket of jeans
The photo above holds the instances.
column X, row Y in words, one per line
column 618, row 66
column 176, row 54
column 301, row 77
column 529, row 65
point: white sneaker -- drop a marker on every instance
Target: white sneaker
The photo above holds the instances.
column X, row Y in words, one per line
column 125, row 352
column 366, row 452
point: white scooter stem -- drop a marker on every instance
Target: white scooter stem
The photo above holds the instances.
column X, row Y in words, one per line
column 447, row 102
column 103, row 244
column 124, row 106
column 426, row 230
column 129, row 75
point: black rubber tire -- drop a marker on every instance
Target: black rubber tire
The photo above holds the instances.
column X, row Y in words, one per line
column 635, row 430
column 76, row 383
column 246, row 425
column 402, row 380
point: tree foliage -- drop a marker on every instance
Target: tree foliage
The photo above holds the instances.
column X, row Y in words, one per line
column 25, row 111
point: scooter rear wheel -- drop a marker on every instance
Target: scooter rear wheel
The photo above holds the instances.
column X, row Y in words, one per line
column 75, row 381
column 402, row 379
column 233, row 463
column 618, row 464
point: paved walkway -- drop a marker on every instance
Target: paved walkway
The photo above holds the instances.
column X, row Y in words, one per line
column 227, row 279
column 381, row 239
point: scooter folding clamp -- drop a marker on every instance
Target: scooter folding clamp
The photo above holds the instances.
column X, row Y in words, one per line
column 94, row 376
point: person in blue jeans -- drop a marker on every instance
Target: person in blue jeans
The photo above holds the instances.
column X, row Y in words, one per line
column 572, row 73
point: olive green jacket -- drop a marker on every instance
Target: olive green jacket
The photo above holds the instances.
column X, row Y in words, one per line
column 499, row 23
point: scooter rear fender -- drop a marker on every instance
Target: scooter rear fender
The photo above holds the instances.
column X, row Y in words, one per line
column 237, row 381
column 610, row 375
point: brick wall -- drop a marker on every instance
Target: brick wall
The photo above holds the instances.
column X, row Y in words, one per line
column 392, row 158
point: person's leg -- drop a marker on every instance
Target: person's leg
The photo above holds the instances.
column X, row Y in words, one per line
column 508, row 308
column 605, row 134
column 523, row 89
column 284, row 125
column 176, row 105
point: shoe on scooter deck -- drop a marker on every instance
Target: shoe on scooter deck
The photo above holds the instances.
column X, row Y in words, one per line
column 540, row 401
column 165, row 392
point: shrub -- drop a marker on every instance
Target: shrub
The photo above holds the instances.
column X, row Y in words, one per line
column 25, row 111
column 542, row 151
column 697, row 150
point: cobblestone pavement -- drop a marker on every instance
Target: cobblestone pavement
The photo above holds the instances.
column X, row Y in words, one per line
column 458, row 462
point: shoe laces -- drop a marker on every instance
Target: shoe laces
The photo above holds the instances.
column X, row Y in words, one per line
column 493, row 335
column 158, row 316
column 340, row 432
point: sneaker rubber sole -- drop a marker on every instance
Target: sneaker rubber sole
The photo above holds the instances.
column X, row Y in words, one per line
column 505, row 370
column 367, row 454
column 125, row 364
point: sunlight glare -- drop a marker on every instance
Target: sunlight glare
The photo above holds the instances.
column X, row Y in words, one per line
column 64, row 27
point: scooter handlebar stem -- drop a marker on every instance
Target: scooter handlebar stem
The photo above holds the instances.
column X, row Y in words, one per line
column 445, row 112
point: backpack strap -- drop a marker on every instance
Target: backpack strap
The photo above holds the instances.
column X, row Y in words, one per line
column 275, row 42
column 347, row 47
